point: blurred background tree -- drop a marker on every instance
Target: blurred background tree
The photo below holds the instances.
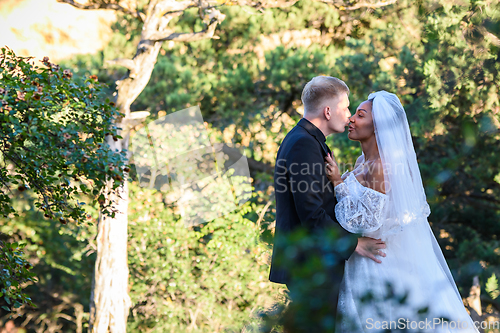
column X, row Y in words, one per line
column 440, row 57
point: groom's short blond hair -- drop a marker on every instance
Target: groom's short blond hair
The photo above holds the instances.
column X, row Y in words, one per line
column 319, row 89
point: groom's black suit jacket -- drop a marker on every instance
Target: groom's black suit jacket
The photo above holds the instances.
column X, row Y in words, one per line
column 305, row 199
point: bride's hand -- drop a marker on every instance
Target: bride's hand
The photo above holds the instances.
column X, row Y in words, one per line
column 332, row 170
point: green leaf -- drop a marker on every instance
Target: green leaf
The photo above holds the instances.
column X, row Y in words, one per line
column 492, row 286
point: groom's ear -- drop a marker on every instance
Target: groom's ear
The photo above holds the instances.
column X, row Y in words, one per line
column 327, row 112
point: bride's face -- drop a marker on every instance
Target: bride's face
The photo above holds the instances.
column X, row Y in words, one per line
column 361, row 123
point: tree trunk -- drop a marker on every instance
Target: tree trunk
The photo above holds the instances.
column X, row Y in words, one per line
column 109, row 301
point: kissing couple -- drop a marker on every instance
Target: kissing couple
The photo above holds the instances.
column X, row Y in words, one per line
column 386, row 271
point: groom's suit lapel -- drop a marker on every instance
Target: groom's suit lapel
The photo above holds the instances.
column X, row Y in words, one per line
column 316, row 133
column 327, row 149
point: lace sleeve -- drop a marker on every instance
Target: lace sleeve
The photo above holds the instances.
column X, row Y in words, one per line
column 358, row 215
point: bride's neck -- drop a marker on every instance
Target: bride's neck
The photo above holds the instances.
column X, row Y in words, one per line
column 370, row 149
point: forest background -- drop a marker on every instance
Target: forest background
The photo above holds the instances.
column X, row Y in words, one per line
column 441, row 57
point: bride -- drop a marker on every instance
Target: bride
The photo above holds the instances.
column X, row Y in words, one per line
column 410, row 287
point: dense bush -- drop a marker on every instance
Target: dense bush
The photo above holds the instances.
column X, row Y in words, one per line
column 52, row 130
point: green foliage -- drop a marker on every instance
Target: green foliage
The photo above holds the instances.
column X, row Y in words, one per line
column 459, row 151
column 52, row 133
column 208, row 277
column 15, row 271
column 52, row 125
column 63, row 261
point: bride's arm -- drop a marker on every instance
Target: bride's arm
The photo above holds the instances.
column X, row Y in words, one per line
column 358, row 215
column 354, row 216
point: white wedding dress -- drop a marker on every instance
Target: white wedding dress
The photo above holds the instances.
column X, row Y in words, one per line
column 414, row 263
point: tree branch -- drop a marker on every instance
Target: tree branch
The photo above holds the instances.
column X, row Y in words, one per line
column 168, row 6
column 188, row 36
column 267, row 3
column 101, row 5
column 360, row 4
column 127, row 63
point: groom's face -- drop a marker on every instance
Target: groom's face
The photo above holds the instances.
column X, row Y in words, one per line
column 339, row 113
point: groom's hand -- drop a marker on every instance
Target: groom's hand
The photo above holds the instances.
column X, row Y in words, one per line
column 332, row 170
column 369, row 247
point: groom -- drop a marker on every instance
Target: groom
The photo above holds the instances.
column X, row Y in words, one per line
column 305, row 201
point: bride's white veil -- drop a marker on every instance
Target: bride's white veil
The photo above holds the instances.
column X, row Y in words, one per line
column 406, row 200
column 406, row 203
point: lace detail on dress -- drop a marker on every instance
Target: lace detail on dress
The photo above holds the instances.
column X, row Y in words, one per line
column 359, row 208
